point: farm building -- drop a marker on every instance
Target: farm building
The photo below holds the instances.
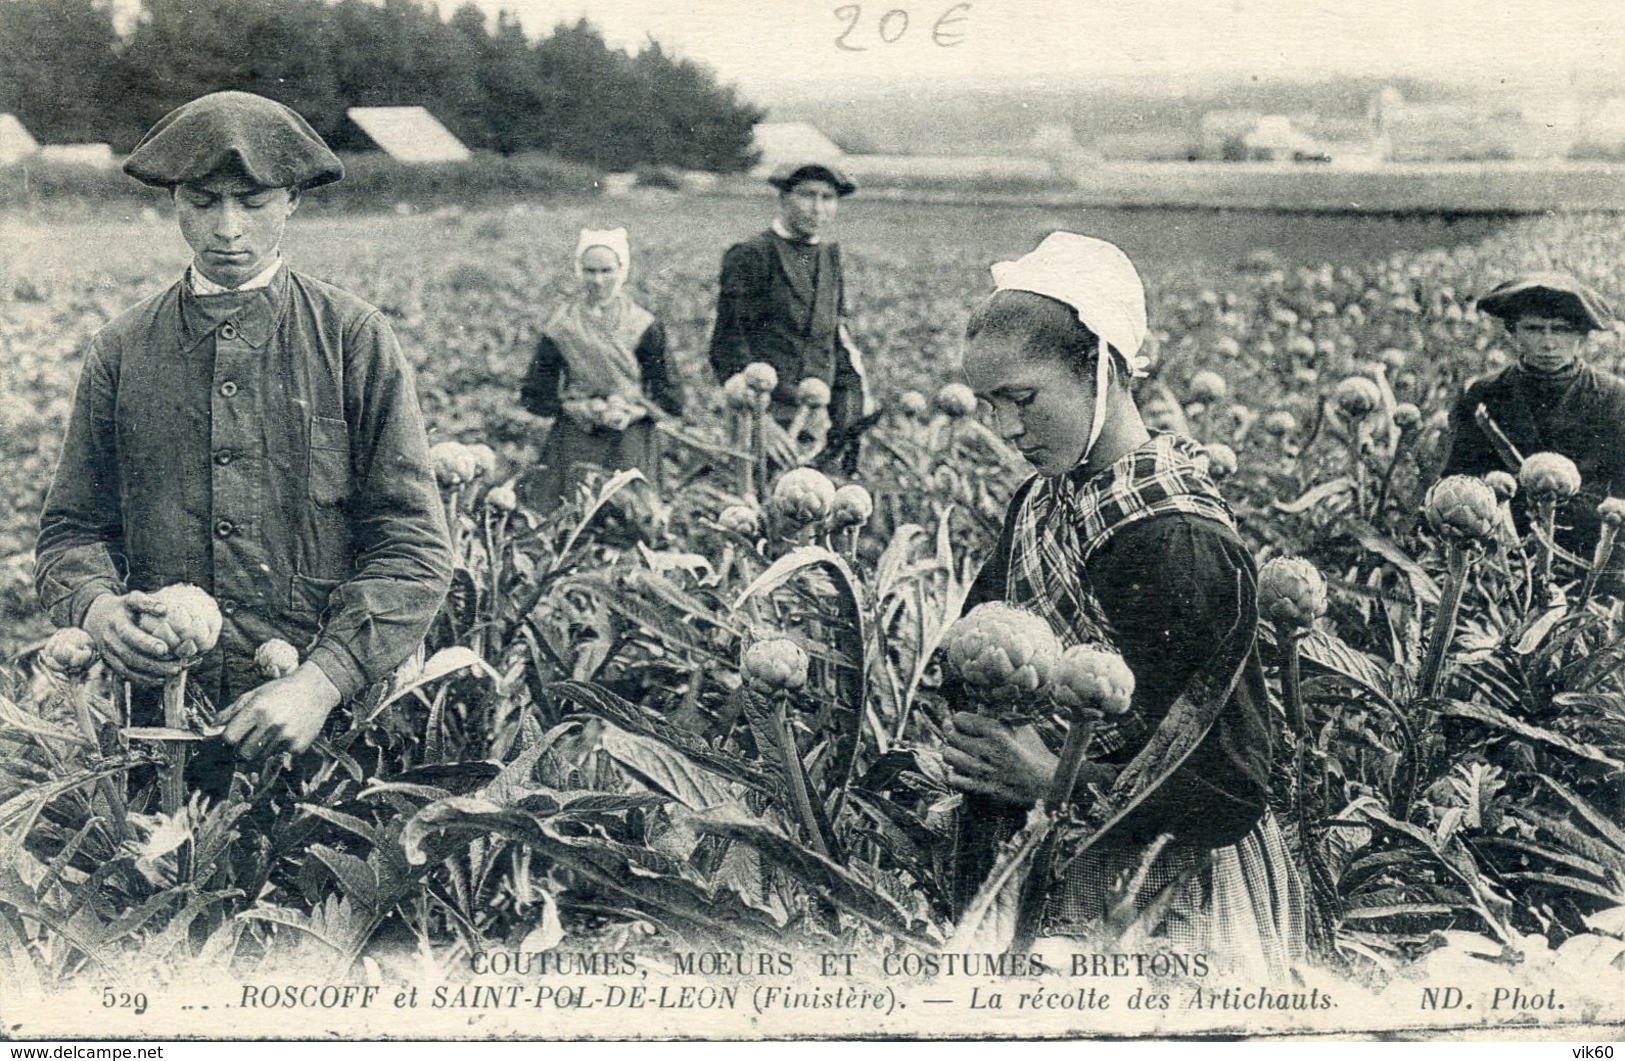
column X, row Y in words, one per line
column 97, row 156
column 409, row 134
column 1276, row 138
column 15, row 142
column 781, row 142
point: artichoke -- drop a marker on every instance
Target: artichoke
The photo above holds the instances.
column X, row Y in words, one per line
column 276, row 659
column 1221, row 460
column 739, row 519
column 913, row 405
column 1357, row 397
column 1088, row 678
column 1504, row 485
column 454, row 463
column 736, row 392
column 956, row 400
column 774, row 664
column 502, row 498
column 1207, row 387
column 1549, row 476
column 1003, row 652
column 190, row 615
column 1291, row 593
column 761, row 377
column 1463, row 508
column 851, row 507
column 1280, row 423
column 70, row 651
column 813, row 393
column 803, row 495
column 484, row 458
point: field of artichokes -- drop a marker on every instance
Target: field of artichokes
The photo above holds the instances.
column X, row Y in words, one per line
column 707, row 704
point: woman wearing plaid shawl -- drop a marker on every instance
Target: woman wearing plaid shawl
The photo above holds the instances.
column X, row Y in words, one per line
column 1122, row 539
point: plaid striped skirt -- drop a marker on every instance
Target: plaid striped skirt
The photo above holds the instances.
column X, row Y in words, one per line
column 1242, row 905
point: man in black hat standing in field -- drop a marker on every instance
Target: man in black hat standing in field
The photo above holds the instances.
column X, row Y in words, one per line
column 782, row 300
column 1550, row 400
column 254, row 432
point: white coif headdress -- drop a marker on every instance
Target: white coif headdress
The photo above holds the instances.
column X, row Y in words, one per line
column 1102, row 286
column 613, row 239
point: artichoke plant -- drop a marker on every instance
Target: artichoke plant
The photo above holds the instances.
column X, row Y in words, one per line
column 1548, row 480
column 1612, row 514
column 71, row 653
column 772, row 669
column 190, row 624
column 812, row 404
column 1464, row 512
column 1291, row 596
column 852, row 507
column 1357, row 397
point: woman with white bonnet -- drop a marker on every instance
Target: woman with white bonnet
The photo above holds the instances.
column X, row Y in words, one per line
column 1121, row 539
column 600, row 373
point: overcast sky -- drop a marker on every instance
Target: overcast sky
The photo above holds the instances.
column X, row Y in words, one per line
column 765, row 45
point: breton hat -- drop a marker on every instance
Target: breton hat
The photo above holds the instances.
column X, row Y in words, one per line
column 786, row 176
column 1548, row 295
column 266, row 142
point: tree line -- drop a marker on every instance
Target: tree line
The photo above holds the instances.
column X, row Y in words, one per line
column 71, row 74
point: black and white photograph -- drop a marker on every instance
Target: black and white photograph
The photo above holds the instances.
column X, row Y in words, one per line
column 1008, row 519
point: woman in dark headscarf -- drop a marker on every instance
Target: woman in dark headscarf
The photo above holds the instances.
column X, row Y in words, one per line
column 1123, row 540
column 600, row 372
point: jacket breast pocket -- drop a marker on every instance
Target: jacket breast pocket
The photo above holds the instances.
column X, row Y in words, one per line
column 329, row 461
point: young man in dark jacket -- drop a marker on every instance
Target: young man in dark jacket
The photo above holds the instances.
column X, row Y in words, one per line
column 254, row 432
column 1550, row 400
column 782, row 301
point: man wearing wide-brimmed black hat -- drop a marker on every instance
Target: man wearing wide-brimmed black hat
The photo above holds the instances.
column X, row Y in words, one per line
column 252, row 431
column 782, row 300
column 1549, row 400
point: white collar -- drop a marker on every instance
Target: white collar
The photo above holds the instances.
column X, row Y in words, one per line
column 202, row 285
column 783, row 232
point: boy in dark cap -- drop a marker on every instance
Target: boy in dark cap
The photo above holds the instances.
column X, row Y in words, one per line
column 1550, row 400
column 782, row 300
column 254, row 432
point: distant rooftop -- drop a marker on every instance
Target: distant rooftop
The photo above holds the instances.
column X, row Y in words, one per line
column 409, row 134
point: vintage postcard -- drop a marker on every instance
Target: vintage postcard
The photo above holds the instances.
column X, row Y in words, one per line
column 924, row 519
